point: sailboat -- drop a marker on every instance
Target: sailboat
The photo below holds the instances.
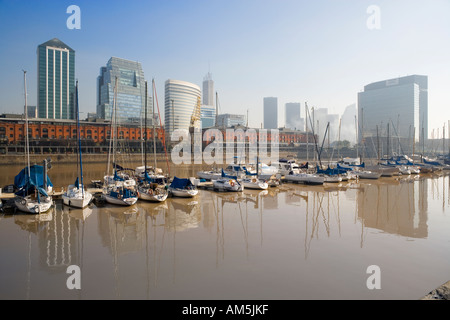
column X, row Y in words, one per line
column 118, row 189
column 76, row 195
column 227, row 183
column 32, row 182
column 182, row 188
column 151, row 188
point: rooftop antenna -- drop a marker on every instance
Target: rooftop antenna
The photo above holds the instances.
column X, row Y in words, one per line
column 247, row 118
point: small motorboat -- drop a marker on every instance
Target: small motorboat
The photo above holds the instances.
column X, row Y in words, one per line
column 228, row 185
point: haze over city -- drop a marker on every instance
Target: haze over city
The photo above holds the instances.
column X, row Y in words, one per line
column 320, row 52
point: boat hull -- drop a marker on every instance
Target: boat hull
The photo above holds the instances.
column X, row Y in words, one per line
column 183, row 193
column 222, row 185
column 122, row 202
column 152, row 197
column 33, row 206
column 77, row 198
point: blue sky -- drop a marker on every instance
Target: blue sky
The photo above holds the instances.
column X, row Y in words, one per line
column 321, row 51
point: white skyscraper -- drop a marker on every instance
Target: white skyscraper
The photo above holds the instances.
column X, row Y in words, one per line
column 181, row 105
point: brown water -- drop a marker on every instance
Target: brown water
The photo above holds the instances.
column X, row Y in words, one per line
column 290, row 242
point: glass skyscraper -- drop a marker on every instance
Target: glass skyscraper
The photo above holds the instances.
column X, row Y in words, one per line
column 401, row 102
column 230, row 120
column 208, row 110
column 56, row 80
column 130, row 105
column 208, row 116
column 270, row 113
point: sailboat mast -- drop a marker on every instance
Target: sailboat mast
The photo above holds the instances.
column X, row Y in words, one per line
column 306, row 130
column 27, row 150
column 115, row 126
column 145, row 130
column 153, row 121
column 79, row 138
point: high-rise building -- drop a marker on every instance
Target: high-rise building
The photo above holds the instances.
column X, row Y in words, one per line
column 325, row 125
column 208, row 115
column 130, row 104
column 182, row 105
column 208, row 90
column 56, row 80
column 270, row 113
column 229, row 120
column 401, row 103
column 292, row 116
column 208, row 110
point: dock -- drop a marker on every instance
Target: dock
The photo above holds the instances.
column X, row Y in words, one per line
column 206, row 185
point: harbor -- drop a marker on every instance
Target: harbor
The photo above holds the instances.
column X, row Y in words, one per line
column 302, row 241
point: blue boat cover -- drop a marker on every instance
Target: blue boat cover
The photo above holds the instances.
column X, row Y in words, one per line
column 224, row 175
column 117, row 178
column 179, row 183
column 26, row 183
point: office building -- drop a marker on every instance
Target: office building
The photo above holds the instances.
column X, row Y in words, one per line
column 208, row 90
column 208, row 115
column 56, row 80
column 230, row 120
column 270, row 113
column 130, row 104
column 182, row 105
column 401, row 103
column 292, row 116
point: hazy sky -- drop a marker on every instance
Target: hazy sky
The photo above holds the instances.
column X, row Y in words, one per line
column 321, row 52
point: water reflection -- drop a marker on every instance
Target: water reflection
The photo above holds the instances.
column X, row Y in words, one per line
column 399, row 207
column 152, row 247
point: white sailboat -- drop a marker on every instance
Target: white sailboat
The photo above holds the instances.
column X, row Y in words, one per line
column 151, row 187
column 182, row 188
column 209, row 175
column 254, row 183
column 32, row 182
column 365, row 174
column 305, row 178
column 76, row 195
column 227, row 184
column 118, row 189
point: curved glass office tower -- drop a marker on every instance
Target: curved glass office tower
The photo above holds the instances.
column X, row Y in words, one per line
column 182, row 105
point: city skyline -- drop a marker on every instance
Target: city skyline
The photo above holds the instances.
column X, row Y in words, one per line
column 322, row 53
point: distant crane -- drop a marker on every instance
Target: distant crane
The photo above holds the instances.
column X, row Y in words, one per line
column 196, row 114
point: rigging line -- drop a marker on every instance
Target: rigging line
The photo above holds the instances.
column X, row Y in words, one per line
column 160, row 124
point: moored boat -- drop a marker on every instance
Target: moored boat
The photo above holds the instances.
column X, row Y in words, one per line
column 182, row 188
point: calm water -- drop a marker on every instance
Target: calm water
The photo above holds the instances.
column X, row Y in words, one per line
column 291, row 242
